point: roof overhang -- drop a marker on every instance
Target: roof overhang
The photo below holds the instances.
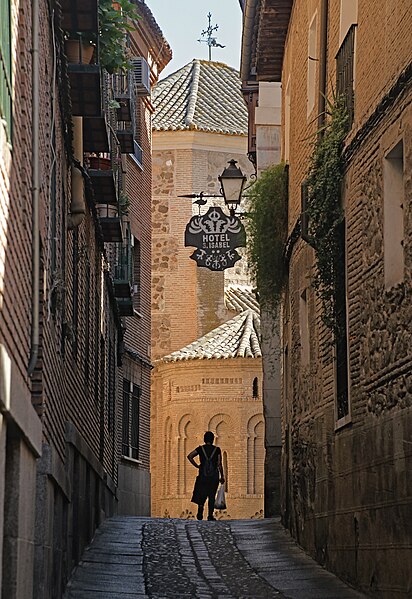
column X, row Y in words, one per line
column 265, row 27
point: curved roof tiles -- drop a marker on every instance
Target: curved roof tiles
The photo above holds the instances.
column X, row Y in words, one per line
column 203, row 96
column 236, row 338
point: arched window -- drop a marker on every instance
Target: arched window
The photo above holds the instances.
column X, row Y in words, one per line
column 225, row 471
column 255, row 387
column 183, row 466
column 255, row 455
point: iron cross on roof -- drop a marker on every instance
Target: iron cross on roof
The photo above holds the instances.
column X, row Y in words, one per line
column 210, row 40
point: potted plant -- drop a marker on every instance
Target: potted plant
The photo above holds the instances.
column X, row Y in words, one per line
column 100, row 163
column 106, row 210
column 78, row 47
column 115, row 22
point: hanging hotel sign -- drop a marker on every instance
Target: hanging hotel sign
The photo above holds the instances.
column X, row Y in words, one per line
column 215, row 235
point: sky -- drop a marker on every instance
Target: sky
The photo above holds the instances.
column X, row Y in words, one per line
column 182, row 21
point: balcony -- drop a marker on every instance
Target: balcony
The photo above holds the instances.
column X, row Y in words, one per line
column 84, row 75
column 125, row 306
column 105, row 183
column 123, row 269
column 125, row 135
column 79, row 15
column 123, row 274
column 123, row 94
column 95, row 135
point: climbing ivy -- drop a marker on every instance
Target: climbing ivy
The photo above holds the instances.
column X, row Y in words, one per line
column 324, row 211
column 267, row 232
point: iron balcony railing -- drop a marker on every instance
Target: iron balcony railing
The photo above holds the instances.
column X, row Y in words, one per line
column 345, row 71
column 123, row 266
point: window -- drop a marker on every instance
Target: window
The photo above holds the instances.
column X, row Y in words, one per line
column 312, row 62
column 393, row 216
column 345, row 72
column 341, row 347
column 5, row 66
column 287, row 121
column 304, row 327
column 225, row 471
column 131, row 412
column 136, row 275
column 111, row 386
column 137, row 154
column 255, row 387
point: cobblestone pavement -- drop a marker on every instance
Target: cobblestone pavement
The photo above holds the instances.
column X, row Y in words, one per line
column 131, row 558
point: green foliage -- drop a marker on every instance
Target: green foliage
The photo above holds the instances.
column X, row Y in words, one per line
column 124, row 203
column 267, row 232
column 324, row 210
column 114, row 25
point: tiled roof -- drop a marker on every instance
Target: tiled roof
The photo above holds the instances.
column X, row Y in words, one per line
column 166, row 52
column 203, row 96
column 236, row 338
column 240, row 297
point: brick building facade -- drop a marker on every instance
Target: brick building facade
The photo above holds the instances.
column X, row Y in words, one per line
column 346, row 414
column 63, row 396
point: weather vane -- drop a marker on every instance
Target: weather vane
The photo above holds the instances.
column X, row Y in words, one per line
column 210, row 40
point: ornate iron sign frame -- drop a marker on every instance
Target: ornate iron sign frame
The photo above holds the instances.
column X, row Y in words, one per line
column 215, row 235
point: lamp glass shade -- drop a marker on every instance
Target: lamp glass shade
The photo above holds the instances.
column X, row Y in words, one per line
column 232, row 181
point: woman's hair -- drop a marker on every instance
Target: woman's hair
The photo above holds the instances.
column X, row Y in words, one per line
column 208, row 437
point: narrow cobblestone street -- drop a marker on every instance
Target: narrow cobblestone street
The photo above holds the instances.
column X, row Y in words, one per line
column 145, row 557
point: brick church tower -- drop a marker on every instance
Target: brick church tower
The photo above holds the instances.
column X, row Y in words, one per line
column 205, row 325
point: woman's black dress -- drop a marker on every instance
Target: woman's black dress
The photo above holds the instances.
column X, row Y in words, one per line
column 206, row 486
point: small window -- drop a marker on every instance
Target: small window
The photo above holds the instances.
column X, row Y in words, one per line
column 225, row 471
column 255, row 387
column 345, row 72
column 312, row 63
column 287, row 121
column 393, row 217
column 341, row 346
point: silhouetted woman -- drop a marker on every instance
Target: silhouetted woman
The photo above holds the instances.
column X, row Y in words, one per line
column 207, row 481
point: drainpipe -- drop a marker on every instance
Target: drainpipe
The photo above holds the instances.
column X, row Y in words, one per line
column 247, row 38
column 34, row 350
column 324, row 9
column 77, row 204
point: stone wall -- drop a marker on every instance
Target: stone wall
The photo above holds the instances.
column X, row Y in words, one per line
column 345, row 493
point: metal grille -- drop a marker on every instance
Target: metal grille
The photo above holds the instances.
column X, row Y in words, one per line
column 123, row 268
column 345, row 62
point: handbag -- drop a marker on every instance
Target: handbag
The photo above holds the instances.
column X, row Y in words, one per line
column 220, row 502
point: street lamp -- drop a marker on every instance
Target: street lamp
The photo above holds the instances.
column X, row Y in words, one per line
column 232, row 182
